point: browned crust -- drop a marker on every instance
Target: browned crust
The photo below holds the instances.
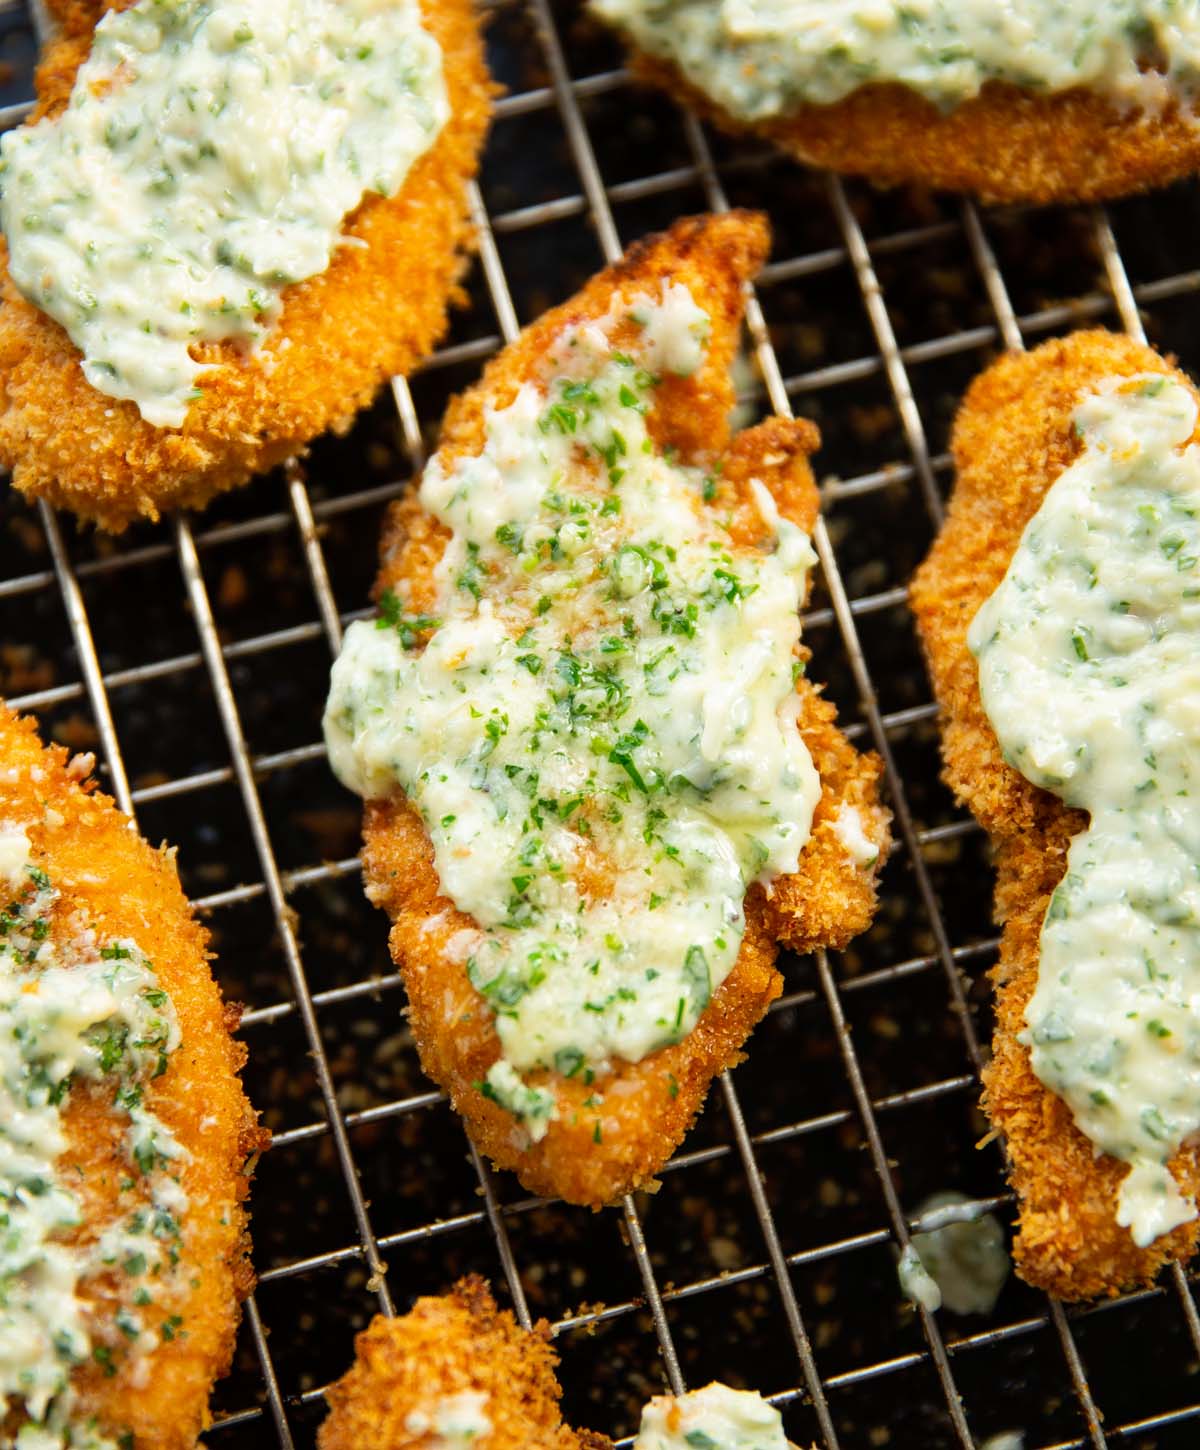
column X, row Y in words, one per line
column 375, row 312
column 596, row 1152
column 106, row 872
column 1004, row 144
column 445, row 1346
column 1012, row 440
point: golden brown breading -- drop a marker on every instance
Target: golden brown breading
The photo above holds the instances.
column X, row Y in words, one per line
column 1004, row 144
column 108, row 875
column 1012, row 440
column 445, row 1346
column 610, row 1141
column 375, row 312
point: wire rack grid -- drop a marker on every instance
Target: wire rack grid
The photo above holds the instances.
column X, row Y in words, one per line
column 192, row 657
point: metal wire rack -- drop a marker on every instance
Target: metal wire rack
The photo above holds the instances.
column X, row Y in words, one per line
column 193, row 657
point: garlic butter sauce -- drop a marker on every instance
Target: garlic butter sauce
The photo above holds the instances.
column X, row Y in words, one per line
column 454, row 1422
column 206, row 159
column 957, row 1259
column 762, row 58
column 713, row 1418
column 1089, row 670
column 76, row 1010
column 598, row 722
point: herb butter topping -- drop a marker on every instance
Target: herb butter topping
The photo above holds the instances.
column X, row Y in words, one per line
column 849, row 828
column 75, row 1013
column 598, row 724
column 762, row 58
column 209, row 153
column 714, row 1418
column 1089, row 668
column 455, row 1422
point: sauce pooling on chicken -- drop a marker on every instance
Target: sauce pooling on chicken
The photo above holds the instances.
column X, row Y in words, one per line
column 455, row 1422
column 1090, row 674
column 206, row 159
column 762, row 58
column 77, row 1015
column 712, row 1418
column 597, row 723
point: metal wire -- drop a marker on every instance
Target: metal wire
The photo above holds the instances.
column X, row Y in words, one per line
column 562, row 102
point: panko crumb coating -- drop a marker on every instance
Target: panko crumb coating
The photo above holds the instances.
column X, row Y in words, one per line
column 1012, row 440
column 374, row 313
column 614, row 1137
column 1003, row 145
column 105, row 872
column 446, row 1346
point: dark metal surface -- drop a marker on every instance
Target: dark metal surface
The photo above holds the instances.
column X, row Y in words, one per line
column 193, row 656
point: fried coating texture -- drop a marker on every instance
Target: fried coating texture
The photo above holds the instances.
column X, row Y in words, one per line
column 459, row 1342
column 445, row 1346
column 108, row 875
column 1005, row 144
column 375, row 312
column 1012, row 440
column 614, row 1137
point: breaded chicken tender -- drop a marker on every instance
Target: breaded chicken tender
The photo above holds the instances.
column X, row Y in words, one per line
column 1005, row 144
column 1012, row 440
column 375, row 312
column 162, row 1223
column 612, row 1136
column 457, row 1370
column 454, row 1360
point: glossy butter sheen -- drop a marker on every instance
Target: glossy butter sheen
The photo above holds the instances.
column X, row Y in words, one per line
column 762, row 58
column 600, row 734
column 1089, row 670
column 206, row 160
